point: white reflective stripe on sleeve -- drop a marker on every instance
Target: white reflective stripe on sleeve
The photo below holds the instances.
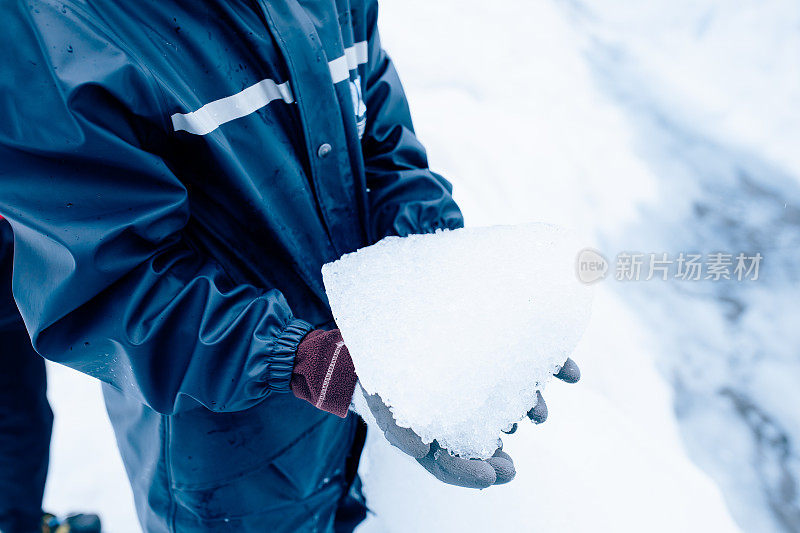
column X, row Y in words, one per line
column 339, row 69
column 212, row 115
column 353, row 56
column 362, row 55
column 350, row 54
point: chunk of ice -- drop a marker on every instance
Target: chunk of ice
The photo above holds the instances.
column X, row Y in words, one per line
column 457, row 330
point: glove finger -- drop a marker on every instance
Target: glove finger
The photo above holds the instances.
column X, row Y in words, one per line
column 468, row 473
column 569, row 372
column 503, row 467
column 539, row 412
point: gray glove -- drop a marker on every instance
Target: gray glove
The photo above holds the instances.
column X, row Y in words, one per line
column 568, row 373
column 453, row 470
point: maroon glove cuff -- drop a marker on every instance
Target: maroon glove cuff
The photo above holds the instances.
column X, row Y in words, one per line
column 323, row 372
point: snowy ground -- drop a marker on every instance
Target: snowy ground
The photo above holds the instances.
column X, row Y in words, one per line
column 655, row 127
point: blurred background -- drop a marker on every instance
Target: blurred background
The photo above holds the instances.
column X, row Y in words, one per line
column 649, row 127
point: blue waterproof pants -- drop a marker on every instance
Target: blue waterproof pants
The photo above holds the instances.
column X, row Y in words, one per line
column 26, row 420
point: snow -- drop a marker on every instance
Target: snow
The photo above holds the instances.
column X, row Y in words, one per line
column 601, row 462
column 590, row 467
column 457, row 330
column 732, row 70
column 659, row 127
column 86, row 472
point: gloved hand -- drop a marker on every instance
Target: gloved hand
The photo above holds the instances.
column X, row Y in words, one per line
column 453, row 470
column 324, row 376
column 568, row 373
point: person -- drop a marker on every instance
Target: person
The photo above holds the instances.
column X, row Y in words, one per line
column 26, row 422
column 176, row 174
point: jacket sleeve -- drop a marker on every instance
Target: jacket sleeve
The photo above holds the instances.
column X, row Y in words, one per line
column 405, row 197
column 104, row 276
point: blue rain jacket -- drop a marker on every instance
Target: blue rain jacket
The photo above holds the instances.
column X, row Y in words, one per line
column 176, row 173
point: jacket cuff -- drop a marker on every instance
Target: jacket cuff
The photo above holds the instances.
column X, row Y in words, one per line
column 280, row 360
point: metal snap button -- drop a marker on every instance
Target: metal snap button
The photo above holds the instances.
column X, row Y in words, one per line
column 324, row 149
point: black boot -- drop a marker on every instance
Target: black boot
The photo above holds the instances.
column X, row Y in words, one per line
column 77, row 523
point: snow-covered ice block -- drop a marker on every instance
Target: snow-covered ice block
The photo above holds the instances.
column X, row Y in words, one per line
column 457, row 330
